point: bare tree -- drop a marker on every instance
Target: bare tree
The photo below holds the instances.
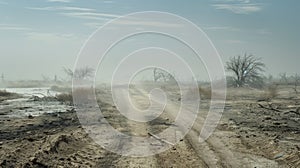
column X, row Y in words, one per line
column 247, row 70
column 160, row 75
column 283, row 78
column 84, row 73
column 68, row 72
column 81, row 73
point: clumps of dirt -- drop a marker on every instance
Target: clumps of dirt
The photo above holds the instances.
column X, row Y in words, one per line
column 49, row 140
column 59, row 150
column 160, row 124
column 269, row 128
column 293, row 160
column 58, row 143
column 115, row 118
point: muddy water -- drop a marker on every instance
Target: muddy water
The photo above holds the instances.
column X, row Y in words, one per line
column 26, row 106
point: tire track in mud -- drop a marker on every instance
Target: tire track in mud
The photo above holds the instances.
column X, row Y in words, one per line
column 216, row 152
column 128, row 127
column 183, row 154
column 221, row 149
column 116, row 120
column 180, row 155
column 137, row 129
column 192, row 137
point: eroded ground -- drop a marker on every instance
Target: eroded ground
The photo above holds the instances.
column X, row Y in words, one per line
column 251, row 133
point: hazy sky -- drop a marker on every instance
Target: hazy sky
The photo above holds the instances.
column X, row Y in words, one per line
column 39, row 37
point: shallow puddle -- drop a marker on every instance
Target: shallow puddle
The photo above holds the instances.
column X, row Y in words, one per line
column 26, row 106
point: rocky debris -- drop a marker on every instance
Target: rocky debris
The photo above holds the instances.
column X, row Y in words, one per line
column 269, row 127
column 57, row 143
column 30, row 116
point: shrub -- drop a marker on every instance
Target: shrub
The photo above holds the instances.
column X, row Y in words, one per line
column 4, row 93
column 82, row 95
column 65, row 98
column 271, row 92
column 205, row 92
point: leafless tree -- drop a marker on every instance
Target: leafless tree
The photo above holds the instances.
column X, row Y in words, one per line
column 247, row 70
column 84, row 73
column 283, row 78
column 163, row 76
column 68, row 72
column 81, row 73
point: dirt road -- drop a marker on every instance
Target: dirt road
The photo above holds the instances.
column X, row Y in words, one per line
column 223, row 149
column 247, row 136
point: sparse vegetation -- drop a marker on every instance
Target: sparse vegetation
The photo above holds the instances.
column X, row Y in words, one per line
column 82, row 94
column 60, row 88
column 65, row 98
column 4, row 93
column 205, row 93
column 271, row 92
column 81, row 73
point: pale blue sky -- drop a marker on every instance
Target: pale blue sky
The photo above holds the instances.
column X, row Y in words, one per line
column 42, row 36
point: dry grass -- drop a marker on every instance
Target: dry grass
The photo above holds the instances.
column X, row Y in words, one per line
column 271, row 92
column 82, row 95
column 4, row 93
column 60, row 88
column 205, row 93
column 65, row 98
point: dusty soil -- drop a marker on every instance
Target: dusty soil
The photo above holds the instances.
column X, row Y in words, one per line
column 251, row 133
column 267, row 128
